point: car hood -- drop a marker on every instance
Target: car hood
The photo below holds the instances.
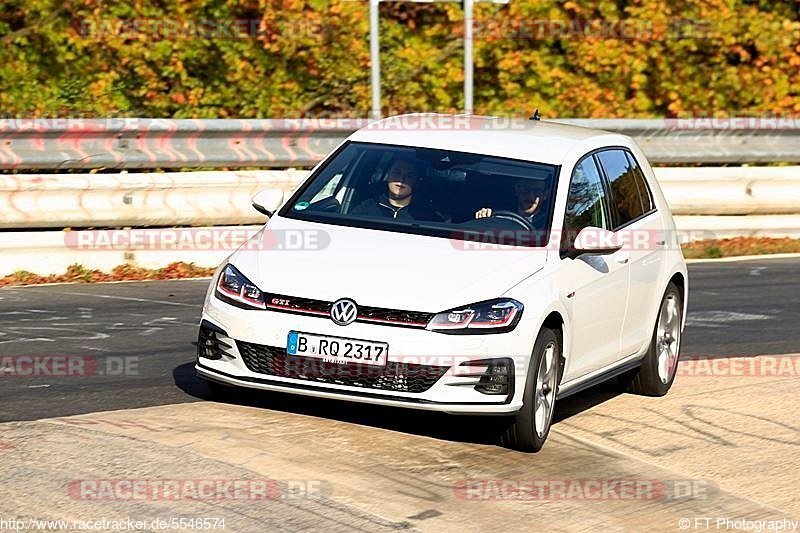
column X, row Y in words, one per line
column 380, row 268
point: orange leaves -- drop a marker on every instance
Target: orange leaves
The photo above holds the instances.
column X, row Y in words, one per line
column 708, row 56
column 738, row 246
column 79, row 274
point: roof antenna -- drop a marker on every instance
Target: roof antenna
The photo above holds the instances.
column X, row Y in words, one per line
column 536, row 115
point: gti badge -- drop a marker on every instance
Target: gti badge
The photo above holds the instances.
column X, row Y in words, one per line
column 344, row 311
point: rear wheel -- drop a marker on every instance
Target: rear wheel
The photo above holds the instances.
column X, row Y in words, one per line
column 531, row 425
column 657, row 372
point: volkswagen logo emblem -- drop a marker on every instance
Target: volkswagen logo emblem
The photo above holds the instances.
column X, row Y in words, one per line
column 344, row 311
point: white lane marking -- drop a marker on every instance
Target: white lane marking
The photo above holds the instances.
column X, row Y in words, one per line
column 94, row 348
column 715, row 319
column 26, row 311
column 37, row 386
column 38, row 315
column 69, row 330
column 756, row 271
column 31, row 337
column 152, row 326
column 108, row 296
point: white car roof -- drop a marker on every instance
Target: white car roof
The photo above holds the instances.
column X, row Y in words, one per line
column 531, row 140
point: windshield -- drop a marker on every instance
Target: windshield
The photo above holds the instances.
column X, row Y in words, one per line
column 432, row 192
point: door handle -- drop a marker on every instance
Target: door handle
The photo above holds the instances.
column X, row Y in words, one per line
column 623, row 258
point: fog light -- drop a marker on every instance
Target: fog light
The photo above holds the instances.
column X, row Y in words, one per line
column 209, row 345
column 494, row 381
column 497, row 379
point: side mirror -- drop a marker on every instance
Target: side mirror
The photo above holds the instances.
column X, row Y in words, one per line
column 268, row 201
column 595, row 241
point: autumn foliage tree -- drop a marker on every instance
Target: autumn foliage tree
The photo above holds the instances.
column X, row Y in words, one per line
column 311, row 58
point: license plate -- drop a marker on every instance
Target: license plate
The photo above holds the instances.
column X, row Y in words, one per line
column 337, row 349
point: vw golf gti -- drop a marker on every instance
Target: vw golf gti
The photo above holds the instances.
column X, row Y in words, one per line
column 486, row 269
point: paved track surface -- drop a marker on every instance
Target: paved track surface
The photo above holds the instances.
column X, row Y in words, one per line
column 732, row 439
column 746, row 308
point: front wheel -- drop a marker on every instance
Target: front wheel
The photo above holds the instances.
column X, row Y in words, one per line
column 531, row 425
column 655, row 376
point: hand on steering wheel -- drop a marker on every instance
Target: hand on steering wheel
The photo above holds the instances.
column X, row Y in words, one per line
column 508, row 215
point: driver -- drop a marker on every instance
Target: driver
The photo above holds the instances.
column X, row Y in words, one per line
column 529, row 193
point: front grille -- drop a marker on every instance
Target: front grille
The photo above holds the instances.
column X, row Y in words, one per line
column 398, row 377
column 374, row 315
column 393, row 316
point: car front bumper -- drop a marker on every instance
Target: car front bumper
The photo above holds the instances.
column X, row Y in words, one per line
column 453, row 392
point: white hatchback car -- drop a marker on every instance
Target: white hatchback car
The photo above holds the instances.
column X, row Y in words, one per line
column 485, row 269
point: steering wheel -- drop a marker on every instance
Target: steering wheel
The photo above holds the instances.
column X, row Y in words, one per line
column 514, row 217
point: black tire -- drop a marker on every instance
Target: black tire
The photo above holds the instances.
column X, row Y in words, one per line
column 646, row 379
column 521, row 434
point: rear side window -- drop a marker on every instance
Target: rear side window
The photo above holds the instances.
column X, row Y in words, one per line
column 627, row 185
column 644, row 189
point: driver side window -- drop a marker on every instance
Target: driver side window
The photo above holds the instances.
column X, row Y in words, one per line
column 586, row 201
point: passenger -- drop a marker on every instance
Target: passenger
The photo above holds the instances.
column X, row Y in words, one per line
column 398, row 200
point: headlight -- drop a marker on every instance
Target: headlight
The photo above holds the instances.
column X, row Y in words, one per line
column 493, row 316
column 235, row 289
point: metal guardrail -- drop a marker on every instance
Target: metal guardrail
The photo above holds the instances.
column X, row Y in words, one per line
column 732, row 141
column 132, row 143
column 137, row 199
column 223, row 197
column 155, row 143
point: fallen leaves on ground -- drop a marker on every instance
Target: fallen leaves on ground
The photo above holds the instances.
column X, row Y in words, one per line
column 80, row 274
column 737, row 246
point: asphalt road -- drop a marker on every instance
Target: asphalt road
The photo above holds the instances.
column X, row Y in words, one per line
column 736, row 308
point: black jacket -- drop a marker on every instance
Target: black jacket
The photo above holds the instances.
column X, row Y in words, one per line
column 381, row 208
